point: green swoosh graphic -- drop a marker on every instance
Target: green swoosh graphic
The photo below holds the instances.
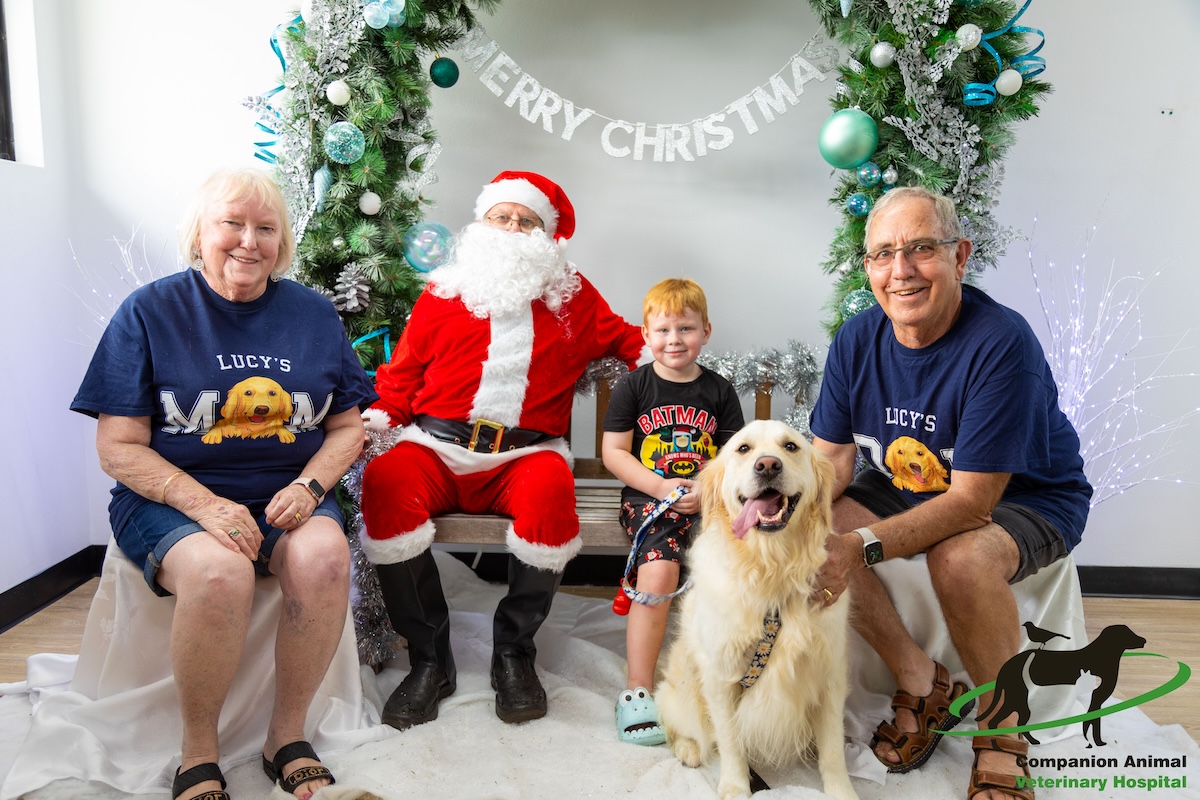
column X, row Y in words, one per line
column 1181, row 677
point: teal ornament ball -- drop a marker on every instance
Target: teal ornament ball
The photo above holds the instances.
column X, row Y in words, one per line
column 443, row 72
column 427, row 245
column 868, row 174
column 848, row 138
column 856, row 302
column 344, row 142
column 375, row 15
column 858, row 204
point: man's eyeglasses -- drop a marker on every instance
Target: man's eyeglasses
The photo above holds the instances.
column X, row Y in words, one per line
column 503, row 221
column 920, row 251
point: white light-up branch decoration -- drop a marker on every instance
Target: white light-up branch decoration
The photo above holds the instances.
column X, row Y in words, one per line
column 1102, row 374
column 106, row 290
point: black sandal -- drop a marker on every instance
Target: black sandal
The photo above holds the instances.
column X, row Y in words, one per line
column 199, row 774
column 299, row 776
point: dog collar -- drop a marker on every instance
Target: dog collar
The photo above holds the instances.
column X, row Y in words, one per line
column 758, row 662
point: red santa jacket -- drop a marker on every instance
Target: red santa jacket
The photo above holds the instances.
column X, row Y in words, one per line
column 453, row 365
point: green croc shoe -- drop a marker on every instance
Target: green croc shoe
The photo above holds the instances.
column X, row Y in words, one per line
column 637, row 718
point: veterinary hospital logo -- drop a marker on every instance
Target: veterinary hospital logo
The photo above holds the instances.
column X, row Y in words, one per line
column 1100, row 659
column 254, row 408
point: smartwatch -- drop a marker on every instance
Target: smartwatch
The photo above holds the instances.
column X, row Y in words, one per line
column 872, row 547
column 317, row 490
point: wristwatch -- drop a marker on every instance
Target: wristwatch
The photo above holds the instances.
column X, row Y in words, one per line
column 872, row 547
column 318, row 491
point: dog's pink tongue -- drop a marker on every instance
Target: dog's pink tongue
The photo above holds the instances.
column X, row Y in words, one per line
column 749, row 516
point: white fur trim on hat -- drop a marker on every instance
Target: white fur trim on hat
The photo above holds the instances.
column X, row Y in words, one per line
column 521, row 191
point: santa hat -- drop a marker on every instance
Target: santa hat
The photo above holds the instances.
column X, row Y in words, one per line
column 542, row 196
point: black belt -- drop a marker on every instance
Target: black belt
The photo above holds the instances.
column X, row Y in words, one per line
column 482, row 435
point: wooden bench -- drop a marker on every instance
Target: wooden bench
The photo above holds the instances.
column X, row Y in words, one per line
column 597, row 500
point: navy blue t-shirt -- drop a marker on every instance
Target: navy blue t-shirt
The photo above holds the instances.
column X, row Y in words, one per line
column 980, row 399
column 237, row 393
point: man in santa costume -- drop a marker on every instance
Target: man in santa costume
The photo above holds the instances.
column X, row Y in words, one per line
column 483, row 380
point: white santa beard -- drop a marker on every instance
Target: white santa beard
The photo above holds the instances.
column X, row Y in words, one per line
column 496, row 273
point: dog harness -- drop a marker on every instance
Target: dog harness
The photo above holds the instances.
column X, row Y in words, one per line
column 649, row 598
column 758, row 662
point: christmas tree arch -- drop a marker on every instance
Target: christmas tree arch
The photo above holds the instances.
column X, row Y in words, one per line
column 940, row 86
column 353, row 146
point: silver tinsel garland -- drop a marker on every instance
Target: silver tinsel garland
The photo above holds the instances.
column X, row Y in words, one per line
column 792, row 371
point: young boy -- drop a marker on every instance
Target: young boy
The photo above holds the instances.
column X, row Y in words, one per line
column 665, row 420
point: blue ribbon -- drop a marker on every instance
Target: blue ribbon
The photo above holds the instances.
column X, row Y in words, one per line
column 263, row 149
column 649, row 598
column 387, row 344
column 1028, row 65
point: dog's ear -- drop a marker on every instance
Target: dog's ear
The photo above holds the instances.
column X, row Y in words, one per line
column 710, row 482
column 286, row 406
column 232, row 403
column 825, row 476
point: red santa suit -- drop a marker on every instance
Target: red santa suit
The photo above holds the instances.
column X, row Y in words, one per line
column 518, row 370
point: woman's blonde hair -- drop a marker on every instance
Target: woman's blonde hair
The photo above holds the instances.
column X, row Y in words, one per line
column 674, row 296
column 232, row 185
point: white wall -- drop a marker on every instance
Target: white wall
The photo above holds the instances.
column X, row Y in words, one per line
column 148, row 101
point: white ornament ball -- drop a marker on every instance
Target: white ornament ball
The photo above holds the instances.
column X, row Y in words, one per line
column 1008, row 82
column 338, row 92
column 883, row 55
column 370, row 203
column 890, row 175
column 306, row 10
column 969, row 36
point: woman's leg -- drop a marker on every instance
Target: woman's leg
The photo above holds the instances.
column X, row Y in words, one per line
column 313, row 566
column 214, row 589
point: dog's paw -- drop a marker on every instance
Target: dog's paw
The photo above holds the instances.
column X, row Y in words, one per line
column 731, row 788
column 687, row 751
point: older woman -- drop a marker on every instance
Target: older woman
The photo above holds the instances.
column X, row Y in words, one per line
column 228, row 404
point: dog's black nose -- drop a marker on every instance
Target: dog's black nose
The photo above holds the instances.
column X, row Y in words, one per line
column 768, row 466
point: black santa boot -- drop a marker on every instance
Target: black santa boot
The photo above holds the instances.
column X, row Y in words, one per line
column 519, row 694
column 412, row 591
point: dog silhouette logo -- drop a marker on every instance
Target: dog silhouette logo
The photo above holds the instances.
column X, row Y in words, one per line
column 1101, row 658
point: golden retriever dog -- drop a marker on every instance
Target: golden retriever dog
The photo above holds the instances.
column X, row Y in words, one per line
column 914, row 468
column 765, row 513
column 255, row 408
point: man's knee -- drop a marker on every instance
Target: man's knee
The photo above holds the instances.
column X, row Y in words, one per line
column 972, row 556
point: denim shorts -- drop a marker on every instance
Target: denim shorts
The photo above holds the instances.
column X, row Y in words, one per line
column 154, row 528
column 1039, row 543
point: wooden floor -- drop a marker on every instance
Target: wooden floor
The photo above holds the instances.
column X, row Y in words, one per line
column 1170, row 627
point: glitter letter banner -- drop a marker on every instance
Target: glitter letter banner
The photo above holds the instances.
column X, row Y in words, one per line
column 682, row 141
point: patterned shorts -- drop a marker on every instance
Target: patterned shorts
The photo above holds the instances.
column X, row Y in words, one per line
column 668, row 536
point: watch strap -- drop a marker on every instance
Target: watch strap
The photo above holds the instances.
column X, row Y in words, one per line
column 314, row 487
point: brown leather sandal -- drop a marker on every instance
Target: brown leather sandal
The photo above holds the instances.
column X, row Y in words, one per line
column 982, row 781
column 933, row 714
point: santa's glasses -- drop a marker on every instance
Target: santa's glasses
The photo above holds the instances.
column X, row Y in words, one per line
column 504, row 221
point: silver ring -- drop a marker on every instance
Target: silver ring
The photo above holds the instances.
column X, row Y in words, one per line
column 233, row 534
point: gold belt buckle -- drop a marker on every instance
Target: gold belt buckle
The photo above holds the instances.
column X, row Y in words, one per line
column 486, row 423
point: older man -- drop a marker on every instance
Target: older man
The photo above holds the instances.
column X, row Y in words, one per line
column 948, row 397
column 483, row 379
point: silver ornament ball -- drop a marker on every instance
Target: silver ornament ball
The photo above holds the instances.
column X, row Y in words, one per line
column 969, row 36
column 883, row 55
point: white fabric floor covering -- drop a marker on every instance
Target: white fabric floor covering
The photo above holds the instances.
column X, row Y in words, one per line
column 73, row 747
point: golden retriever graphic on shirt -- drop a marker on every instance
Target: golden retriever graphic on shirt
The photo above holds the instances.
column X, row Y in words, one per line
column 914, row 467
column 677, row 451
column 256, row 408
